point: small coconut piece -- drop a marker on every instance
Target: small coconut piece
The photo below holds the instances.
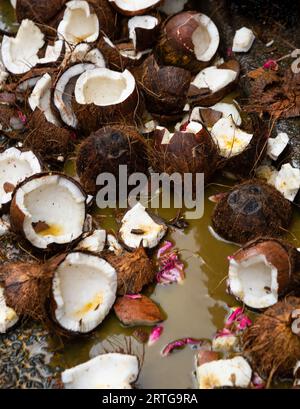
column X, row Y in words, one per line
column 41, row 98
column 135, row 270
column 40, row 11
column 287, row 181
column 103, row 95
column 107, row 149
column 41, row 206
column 137, row 310
column 79, row 24
column 250, row 210
column 277, row 145
column 94, row 242
column 225, row 343
column 135, row 7
column 235, row 373
column 53, row 53
column 64, row 92
column 20, row 54
column 213, row 83
column 107, row 371
column 84, row 290
column 243, row 40
column 270, row 343
column 143, row 31
column 84, row 52
column 8, row 317
column 209, row 116
column 189, row 151
column 170, row 7
column 139, row 229
column 261, row 272
column 15, row 166
column 165, row 88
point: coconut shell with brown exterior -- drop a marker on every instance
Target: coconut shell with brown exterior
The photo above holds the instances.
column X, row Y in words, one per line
column 128, row 12
column 47, row 139
column 107, row 17
column 165, row 88
column 205, row 97
column 134, row 269
column 250, row 210
column 107, row 149
column 39, row 11
column 140, row 310
column 270, row 342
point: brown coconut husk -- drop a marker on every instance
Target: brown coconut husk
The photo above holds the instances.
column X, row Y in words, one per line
column 270, row 343
column 27, row 286
column 9, row 118
column 47, row 139
column 106, row 149
column 39, row 11
column 186, row 153
column 165, row 88
column 134, row 270
column 250, row 210
column 107, row 17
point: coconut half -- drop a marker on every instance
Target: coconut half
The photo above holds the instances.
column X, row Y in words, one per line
column 235, row 373
column 230, row 139
column 138, row 228
column 41, row 98
column 20, row 54
column 108, row 371
column 64, row 90
column 79, row 24
column 134, row 7
column 84, row 290
column 15, row 166
column 49, row 209
column 8, row 317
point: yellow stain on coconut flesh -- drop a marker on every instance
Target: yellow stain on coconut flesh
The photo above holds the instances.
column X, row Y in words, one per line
column 90, row 306
column 53, row 230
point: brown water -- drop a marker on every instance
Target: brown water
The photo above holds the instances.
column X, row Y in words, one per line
column 196, row 308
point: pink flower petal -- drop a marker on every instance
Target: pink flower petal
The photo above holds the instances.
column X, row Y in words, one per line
column 180, row 343
column 270, row 65
column 167, row 245
column 133, row 296
column 22, row 117
column 155, row 334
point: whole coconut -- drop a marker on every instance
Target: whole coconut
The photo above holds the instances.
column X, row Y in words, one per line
column 250, row 210
column 272, row 343
column 107, row 149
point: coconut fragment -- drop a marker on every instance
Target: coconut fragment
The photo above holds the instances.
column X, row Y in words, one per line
column 52, row 53
column 84, row 290
column 230, row 139
column 170, row 7
column 134, row 7
column 214, row 78
column 15, row 166
column 20, row 54
column 41, row 210
column 234, row 372
column 79, row 24
column 227, row 110
column 108, row 371
column 138, row 228
column 8, row 317
column 243, row 40
column 142, row 26
column 95, row 242
column 277, row 145
column 287, row 181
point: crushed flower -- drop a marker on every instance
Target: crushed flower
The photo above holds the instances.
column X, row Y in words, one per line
column 155, row 334
column 171, row 269
column 237, row 320
column 22, row 117
column 180, row 343
column 271, row 65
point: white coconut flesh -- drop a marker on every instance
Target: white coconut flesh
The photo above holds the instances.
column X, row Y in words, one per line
column 134, row 5
column 287, row 181
column 227, row 110
column 205, row 38
column 8, row 316
column 84, row 53
column 4, row 225
column 20, row 54
column 79, row 23
column 243, row 40
column 145, row 22
column 104, row 87
column 15, row 167
column 192, row 127
column 53, row 208
column 297, row 374
column 254, row 281
column 64, row 90
column 230, row 139
column 234, row 372
column 214, row 78
column 13, row 3
column 107, row 371
column 41, row 98
column 172, row 6
column 95, row 242
column 84, row 290
column 52, row 53
column 277, row 145
column 138, row 228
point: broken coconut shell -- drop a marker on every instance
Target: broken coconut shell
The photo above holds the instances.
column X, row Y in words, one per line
column 39, row 11
column 137, row 310
column 270, row 342
column 135, row 270
column 108, row 148
column 143, row 31
column 262, row 271
column 250, row 210
column 189, row 40
column 134, row 8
